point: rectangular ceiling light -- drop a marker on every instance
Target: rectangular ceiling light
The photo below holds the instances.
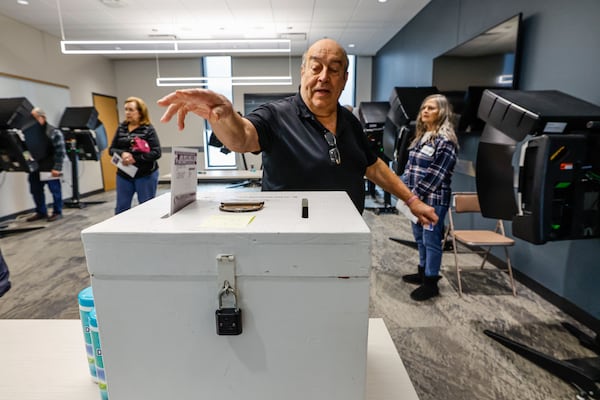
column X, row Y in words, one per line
column 235, row 81
column 242, row 46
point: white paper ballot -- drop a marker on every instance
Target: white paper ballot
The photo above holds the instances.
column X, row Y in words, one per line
column 47, row 176
column 403, row 208
column 184, row 177
column 128, row 169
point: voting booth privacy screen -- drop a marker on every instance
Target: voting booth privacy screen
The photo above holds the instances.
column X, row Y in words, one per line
column 81, row 126
column 15, row 118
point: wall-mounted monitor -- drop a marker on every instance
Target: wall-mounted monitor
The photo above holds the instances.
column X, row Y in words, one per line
column 488, row 60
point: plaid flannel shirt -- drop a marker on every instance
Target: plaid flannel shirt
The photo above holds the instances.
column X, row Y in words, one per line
column 429, row 169
column 58, row 143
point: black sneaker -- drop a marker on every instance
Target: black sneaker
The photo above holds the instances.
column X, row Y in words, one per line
column 5, row 288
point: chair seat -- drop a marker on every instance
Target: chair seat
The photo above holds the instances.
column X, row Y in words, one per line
column 482, row 238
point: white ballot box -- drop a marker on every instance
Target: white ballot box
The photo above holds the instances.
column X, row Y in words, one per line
column 302, row 285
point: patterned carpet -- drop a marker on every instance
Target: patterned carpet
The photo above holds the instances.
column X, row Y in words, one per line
column 440, row 341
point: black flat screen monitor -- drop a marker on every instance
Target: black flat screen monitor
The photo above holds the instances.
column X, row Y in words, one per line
column 15, row 113
column 491, row 58
column 468, row 120
column 372, row 114
column 79, row 118
column 405, row 103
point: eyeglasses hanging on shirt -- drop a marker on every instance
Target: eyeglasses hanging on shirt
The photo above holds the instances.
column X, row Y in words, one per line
column 334, row 153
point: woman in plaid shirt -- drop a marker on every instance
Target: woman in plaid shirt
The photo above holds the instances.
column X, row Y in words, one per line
column 428, row 174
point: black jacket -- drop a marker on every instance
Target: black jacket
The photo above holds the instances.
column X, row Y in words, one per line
column 145, row 162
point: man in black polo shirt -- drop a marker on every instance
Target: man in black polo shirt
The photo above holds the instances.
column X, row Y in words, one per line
column 308, row 141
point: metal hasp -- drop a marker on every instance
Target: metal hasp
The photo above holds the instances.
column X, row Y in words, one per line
column 228, row 318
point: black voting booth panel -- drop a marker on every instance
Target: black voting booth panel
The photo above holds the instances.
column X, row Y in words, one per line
column 407, row 100
column 468, row 120
column 14, row 156
column 559, row 187
column 372, row 116
column 79, row 118
column 15, row 115
column 85, row 138
column 88, row 143
column 399, row 127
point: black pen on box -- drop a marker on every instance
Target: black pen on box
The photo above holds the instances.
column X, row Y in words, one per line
column 304, row 208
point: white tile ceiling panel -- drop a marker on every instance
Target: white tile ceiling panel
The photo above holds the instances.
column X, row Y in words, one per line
column 366, row 23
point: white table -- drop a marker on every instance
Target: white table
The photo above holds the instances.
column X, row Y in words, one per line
column 226, row 175
column 45, row 359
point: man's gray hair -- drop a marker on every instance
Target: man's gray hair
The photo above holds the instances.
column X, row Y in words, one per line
column 39, row 112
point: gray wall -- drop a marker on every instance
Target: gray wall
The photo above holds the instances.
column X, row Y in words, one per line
column 35, row 56
column 560, row 51
column 136, row 77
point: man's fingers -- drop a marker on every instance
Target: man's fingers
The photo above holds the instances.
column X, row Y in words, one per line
column 171, row 110
column 181, row 113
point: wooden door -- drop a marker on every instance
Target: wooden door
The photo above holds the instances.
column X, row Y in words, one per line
column 108, row 113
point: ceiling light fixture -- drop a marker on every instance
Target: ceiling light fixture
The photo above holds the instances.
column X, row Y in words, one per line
column 171, row 46
column 241, row 46
column 204, row 81
column 235, row 81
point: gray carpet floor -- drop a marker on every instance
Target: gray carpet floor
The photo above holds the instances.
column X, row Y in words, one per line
column 440, row 341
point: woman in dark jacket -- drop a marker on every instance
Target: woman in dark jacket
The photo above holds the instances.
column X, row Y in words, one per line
column 137, row 144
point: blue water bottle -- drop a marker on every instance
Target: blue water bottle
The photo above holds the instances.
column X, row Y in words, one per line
column 98, row 355
column 86, row 304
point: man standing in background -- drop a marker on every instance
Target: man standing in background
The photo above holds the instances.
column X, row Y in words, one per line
column 52, row 162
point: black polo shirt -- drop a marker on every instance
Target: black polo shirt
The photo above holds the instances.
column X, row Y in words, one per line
column 296, row 154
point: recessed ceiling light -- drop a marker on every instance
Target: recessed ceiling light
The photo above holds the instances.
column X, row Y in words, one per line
column 23, row 2
column 351, row 45
column 382, row 1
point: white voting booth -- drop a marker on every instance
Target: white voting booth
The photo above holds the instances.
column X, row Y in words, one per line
column 302, row 285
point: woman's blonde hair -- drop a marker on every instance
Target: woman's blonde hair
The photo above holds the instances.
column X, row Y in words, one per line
column 442, row 125
column 142, row 108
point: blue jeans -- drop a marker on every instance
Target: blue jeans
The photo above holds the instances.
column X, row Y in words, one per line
column 145, row 187
column 36, row 188
column 429, row 243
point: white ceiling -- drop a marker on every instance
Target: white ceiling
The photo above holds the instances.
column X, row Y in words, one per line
column 368, row 24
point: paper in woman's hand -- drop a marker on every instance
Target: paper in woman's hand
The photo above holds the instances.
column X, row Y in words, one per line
column 128, row 169
column 403, row 208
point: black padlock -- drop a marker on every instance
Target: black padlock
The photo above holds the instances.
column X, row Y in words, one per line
column 229, row 320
